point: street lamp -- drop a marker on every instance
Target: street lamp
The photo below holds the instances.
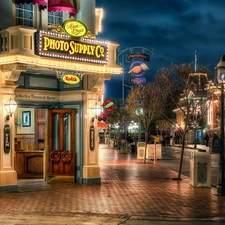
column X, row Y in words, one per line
column 221, row 79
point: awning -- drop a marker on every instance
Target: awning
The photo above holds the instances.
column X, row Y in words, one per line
column 39, row 2
column 61, row 5
column 53, row 5
column 42, row 3
column 102, row 125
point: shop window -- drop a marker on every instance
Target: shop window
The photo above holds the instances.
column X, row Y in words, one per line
column 24, row 14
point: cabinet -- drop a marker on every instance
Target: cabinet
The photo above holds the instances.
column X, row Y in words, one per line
column 40, row 128
column 17, row 145
column 29, row 164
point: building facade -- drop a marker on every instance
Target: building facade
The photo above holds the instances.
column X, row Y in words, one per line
column 213, row 106
column 53, row 65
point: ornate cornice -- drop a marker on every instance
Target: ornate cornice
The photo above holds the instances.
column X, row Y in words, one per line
column 11, row 72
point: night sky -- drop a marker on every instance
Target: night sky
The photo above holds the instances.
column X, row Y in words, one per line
column 174, row 29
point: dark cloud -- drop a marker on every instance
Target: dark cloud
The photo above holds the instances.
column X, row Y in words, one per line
column 175, row 29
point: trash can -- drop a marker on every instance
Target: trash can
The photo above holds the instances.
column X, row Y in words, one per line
column 152, row 149
column 200, row 168
column 140, row 150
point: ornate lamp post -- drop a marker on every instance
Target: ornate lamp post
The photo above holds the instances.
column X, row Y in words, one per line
column 221, row 79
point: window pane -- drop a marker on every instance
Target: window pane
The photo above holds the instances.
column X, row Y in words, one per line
column 24, row 14
column 55, row 18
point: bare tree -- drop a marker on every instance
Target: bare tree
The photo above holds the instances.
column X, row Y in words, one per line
column 146, row 103
column 120, row 116
column 187, row 94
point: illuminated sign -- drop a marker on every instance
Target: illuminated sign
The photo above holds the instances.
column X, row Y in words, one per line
column 145, row 57
column 56, row 45
column 103, row 116
column 75, row 28
column 138, row 80
column 108, row 105
column 70, row 79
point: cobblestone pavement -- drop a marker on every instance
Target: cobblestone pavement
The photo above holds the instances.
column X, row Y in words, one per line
column 130, row 193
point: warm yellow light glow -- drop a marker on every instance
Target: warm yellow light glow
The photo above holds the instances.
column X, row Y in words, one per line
column 59, row 64
column 10, row 107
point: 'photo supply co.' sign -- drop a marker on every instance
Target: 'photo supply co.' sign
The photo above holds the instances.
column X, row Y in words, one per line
column 55, row 45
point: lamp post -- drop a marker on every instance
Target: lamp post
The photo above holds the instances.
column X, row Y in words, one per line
column 221, row 78
column 130, row 49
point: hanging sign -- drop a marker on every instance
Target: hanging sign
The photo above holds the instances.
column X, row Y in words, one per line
column 92, row 137
column 138, row 80
column 145, row 57
column 6, row 138
column 108, row 105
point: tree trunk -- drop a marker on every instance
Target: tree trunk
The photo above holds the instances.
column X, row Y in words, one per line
column 181, row 157
column 146, row 142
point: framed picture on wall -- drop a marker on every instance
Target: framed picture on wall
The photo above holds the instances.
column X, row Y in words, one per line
column 26, row 118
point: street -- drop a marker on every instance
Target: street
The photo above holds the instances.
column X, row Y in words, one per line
column 130, row 193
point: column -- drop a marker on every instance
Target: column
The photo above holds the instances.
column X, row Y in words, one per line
column 8, row 176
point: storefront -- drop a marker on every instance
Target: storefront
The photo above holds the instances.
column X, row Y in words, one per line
column 55, row 79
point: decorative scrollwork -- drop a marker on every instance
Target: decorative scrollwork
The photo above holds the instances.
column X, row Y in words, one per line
column 55, row 156
column 66, row 156
column 89, row 35
column 11, row 72
column 57, row 29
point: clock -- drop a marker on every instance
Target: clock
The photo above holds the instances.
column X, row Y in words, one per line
column 139, row 111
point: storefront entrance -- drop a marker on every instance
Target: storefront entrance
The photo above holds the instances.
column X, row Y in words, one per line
column 61, row 135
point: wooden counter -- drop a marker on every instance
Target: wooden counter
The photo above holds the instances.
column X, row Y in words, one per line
column 29, row 164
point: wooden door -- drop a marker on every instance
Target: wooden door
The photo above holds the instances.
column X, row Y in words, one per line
column 62, row 142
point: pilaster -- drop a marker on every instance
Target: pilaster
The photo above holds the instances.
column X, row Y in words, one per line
column 91, row 169
column 8, row 176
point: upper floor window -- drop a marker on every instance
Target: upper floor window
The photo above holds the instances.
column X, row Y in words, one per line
column 55, row 18
column 24, row 14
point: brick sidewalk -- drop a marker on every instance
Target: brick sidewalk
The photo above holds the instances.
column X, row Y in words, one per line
column 129, row 189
